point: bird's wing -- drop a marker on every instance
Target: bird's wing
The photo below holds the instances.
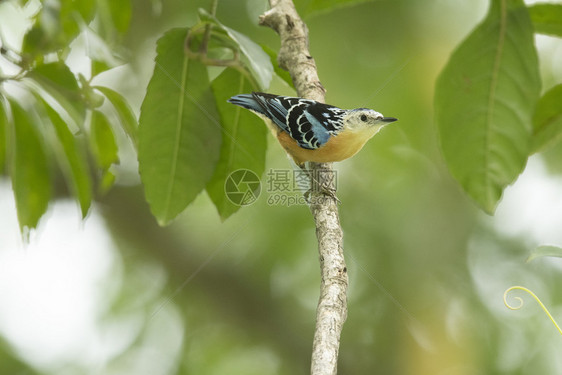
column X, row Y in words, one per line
column 325, row 121
column 312, row 124
column 308, row 122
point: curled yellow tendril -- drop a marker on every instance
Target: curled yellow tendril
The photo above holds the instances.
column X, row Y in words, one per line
column 520, row 301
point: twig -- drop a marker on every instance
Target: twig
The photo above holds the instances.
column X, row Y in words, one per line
column 332, row 305
column 205, row 42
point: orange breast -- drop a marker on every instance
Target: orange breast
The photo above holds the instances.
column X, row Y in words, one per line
column 338, row 148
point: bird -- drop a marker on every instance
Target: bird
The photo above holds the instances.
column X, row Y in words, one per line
column 311, row 131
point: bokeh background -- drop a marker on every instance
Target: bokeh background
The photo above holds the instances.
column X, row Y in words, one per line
column 117, row 294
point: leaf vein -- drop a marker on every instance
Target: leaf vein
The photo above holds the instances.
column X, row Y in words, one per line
column 177, row 142
column 491, row 98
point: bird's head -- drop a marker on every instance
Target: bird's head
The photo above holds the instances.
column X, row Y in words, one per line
column 364, row 118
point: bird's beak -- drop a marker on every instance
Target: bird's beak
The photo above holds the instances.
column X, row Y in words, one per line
column 388, row 120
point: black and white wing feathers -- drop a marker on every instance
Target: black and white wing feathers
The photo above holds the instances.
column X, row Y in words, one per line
column 308, row 122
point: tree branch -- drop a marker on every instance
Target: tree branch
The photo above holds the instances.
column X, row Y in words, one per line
column 332, row 305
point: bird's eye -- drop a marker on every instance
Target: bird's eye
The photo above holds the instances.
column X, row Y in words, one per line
column 363, row 118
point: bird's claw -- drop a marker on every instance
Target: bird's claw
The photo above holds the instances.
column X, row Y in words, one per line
column 330, row 192
column 325, row 191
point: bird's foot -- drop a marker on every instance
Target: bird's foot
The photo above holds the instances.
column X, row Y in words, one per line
column 330, row 192
column 326, row 191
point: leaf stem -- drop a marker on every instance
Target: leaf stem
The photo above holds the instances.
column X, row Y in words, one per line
column 202, row 56
column 207, row 36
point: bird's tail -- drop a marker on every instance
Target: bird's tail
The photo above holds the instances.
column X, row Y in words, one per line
column 254, row 101
column 246, row 101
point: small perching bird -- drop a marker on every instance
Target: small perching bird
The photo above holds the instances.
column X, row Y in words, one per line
column 312, row 131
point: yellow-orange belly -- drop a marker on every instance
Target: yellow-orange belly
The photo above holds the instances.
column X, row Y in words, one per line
column 338, row 148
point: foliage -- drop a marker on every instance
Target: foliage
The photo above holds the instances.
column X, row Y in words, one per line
column 484, row 103
column 187, row 141
column 30, row 173
column 63, row 134
column 483, row 108
column 545, row 251
column 308, row 7
column 62, row 129
column 547, row 120
column 547, row 18
column 184, row 117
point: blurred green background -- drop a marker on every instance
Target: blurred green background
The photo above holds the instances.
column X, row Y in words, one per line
column 118, row 294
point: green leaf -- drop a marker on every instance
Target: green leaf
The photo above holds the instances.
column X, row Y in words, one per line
column 547, row 18
column 282, row 73
column 545, row 251
column 104, row 149
column 91, row 97
column 3, row 136
column 102, row 141
column 484, row 100
column 316, row 6
column 38, row 41
column 179, row 133
column 106, row 181
column 98, row 66
column 121, row 12
column 12, row 362
column 60, row 83
column 253, row 57
column 57, row 25
column 74, row 163
column 31, row 180
column 243, row 140
column 547, row 120
column 124, row 111
column 102, row 56
column 114, row 18
column 72, row 12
